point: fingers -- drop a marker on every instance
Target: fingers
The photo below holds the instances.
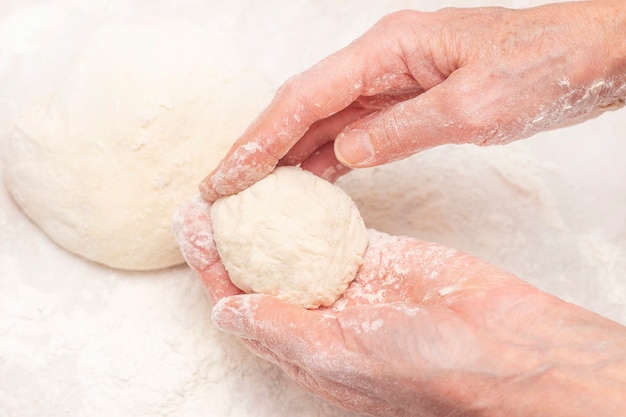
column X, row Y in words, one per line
column 371, row 65
column 259, row 317
column 304, row 338
column 194, row 234
column 323, row 132
column 397, row 269
column 323, row 90
column 291, row 333
column 324, row 164
column 342, row 358
column 443, row 114
column 315, row 151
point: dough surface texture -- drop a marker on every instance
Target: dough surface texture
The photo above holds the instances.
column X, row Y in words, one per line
column 144, row 113
column 292, row 235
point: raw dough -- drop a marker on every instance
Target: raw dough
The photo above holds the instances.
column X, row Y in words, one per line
column 146, row 111
column 292, row 235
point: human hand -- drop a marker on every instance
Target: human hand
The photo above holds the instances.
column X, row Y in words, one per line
column 417, row 80
column 425, row 330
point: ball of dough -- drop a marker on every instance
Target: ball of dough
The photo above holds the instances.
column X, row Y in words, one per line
column 292, row 235
column 146, row 111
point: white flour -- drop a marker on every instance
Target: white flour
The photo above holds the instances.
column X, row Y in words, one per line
column 77, row 339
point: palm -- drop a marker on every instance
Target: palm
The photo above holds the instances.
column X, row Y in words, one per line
column 415, row 308
column 420, row 308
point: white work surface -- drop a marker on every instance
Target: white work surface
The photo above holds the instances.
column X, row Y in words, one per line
column 78, row 339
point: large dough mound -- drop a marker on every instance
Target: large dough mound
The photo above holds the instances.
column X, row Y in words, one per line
column 144, row 114
column 292, row 235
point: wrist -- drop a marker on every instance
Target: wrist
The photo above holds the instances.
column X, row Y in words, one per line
column 595, row 31
column 583, row 372
column 610, row 21
column 569, row 362
column 568, row 391
column 560, row 391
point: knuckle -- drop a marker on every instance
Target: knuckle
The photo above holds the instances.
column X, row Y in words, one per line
column 400, row 17
column 391, row 130
column 394, row 140
column 305, row 104
column 393, row 28
column 288, row 87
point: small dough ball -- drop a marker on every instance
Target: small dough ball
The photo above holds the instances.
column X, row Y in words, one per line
column 146, row 111
column 292, row 235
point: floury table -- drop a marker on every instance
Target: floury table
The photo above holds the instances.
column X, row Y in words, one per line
column 79, row 339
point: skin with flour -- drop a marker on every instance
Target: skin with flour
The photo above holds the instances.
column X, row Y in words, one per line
column 413, row 82
column 426, row 330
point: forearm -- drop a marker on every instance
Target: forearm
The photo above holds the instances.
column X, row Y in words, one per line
column 570, row 392
column 608, row 52
column 611, row 23
column 547, row 392
column 581, row 370
column 587, row 52
column 613, row 15
column 558, row 360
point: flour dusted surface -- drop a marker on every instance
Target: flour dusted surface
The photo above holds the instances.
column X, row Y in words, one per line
column 82, row 340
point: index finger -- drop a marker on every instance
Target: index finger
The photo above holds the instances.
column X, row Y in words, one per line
column 319, row 92
column 371, row 64
column 194, row 233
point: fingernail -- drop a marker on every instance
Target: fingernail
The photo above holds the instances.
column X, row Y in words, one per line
column 228, row 318
column 206, row 191
column 354, row 147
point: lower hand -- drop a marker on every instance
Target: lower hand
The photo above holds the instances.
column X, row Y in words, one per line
column 425, row 330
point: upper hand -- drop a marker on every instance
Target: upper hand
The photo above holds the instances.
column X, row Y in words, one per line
column 417, row 80
column 425, row 330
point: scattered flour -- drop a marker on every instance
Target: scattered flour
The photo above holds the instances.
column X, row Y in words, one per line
column 77, row 339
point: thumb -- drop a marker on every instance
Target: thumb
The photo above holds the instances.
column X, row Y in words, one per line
column 258, row 317
column 454, row 111
column 192, row 229
column 290, row 333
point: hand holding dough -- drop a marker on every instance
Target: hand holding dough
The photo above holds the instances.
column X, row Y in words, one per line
column 292, row 235
column 417, row 332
